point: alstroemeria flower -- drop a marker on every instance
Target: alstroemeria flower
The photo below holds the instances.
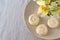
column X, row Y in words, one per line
column 43, row 10
column 41, row 2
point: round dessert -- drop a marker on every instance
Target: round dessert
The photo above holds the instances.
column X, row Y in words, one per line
column 34, row 19
column 42, row 30
column 53, row 22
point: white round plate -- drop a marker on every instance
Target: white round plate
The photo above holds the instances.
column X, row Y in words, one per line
column 32, row 8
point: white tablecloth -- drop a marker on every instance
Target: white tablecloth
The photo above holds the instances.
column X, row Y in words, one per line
column 12, row 25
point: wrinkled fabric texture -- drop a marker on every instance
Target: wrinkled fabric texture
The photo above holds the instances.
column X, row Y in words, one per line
column 12, row 25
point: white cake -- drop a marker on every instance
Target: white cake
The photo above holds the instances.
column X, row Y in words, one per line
column 53, row 22
column 34, row 19
column 42, row 30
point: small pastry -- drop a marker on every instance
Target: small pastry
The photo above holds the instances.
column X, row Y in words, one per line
column 53, row 22
column 34, row 19
column 42, row 30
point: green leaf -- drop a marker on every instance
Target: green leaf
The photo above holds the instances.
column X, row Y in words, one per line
column 53, row 0
column 49, row 13
column 53, row 10
column 58, row 5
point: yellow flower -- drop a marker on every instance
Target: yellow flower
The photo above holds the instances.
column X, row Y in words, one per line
column 47, row 1
column 41, row 2
column 43, row 10
column 58, row 11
